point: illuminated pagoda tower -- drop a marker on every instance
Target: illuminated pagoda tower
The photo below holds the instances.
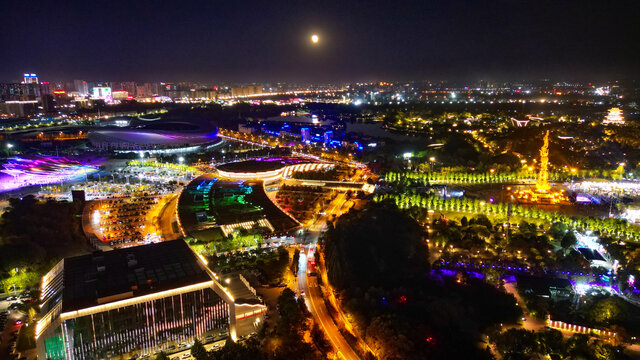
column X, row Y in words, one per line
column 542, row 194
column 614, row 117
column 542, row 183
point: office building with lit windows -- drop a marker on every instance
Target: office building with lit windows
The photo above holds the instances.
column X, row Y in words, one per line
column 133, row 301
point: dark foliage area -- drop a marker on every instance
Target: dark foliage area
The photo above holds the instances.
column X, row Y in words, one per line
column 524, row 344
column 379, row 246
column 287, row 343
column 378, row 259
column 34, row 234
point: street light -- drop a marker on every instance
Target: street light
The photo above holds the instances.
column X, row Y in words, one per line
column 181, row 159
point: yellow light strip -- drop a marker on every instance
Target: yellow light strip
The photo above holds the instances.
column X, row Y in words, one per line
column 133, row 301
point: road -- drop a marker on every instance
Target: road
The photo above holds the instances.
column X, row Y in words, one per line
column 529, row 323
column 167, row 216
column 334, row 208
column 315, row 303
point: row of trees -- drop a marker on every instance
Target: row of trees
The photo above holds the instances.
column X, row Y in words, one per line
column 525, row 344
column 617, row 228
column 462, row 176
column 487, row 177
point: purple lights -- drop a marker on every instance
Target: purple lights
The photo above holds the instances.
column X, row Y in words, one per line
column 41, row 170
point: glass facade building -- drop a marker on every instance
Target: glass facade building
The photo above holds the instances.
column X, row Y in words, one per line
column 139, row 328
column 139, row 321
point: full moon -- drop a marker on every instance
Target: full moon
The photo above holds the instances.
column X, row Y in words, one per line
column 314, row 38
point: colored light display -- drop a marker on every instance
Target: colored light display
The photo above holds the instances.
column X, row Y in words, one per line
column 542, row 193
column 41, row 170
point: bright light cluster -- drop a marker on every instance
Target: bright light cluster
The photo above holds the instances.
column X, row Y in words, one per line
column 41, row 170
column 614, row 117
column 542, row 193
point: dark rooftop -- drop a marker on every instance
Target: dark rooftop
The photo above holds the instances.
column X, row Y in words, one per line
column 104, row 277
column 542, row 285
column 591, row 255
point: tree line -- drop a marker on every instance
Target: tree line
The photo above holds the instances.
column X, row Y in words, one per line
column 609, row 226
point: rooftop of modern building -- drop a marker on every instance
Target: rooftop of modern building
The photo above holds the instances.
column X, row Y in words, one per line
column 104, row 277
column 227, row 202
column 261, row 164
column 240, row 290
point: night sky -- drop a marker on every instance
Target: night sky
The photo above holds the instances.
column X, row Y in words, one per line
column 246, row 40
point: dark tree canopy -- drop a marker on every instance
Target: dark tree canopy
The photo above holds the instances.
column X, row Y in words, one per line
column 379, row 245
column 378, row 259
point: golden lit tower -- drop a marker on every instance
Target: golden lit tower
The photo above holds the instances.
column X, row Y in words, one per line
column 614, row 117
column 542, row 184
column 542, row 194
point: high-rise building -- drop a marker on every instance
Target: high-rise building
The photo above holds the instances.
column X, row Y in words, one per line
column 305, row 133
column 246, row 90
column 30, row 78
column 327, row 137
column 81, row 87
column 19, row 92
column 45, row 88
column 144, row 90
column 158, row 89
column 129, row 87
column 136, row 300
column 236, row 91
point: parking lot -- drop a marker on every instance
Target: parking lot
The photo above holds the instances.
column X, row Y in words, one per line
column 10, row 323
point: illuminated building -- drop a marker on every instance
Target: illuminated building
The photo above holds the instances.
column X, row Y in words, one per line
column 305, row 134
column 614, row 117
column 102, row 93
column 120, row 95
column 155, row 136
column 250, row 90
column 269, row 168
column 136, row 300
column 30, row 79
column 327, row 137
column 542, row 193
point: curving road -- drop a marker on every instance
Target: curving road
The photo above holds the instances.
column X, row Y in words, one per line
column 315, row 304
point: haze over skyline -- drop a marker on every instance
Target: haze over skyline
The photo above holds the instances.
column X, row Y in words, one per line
column 266, row 41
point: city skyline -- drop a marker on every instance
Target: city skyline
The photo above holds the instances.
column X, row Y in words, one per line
column 221, row 42
column 411, row 179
